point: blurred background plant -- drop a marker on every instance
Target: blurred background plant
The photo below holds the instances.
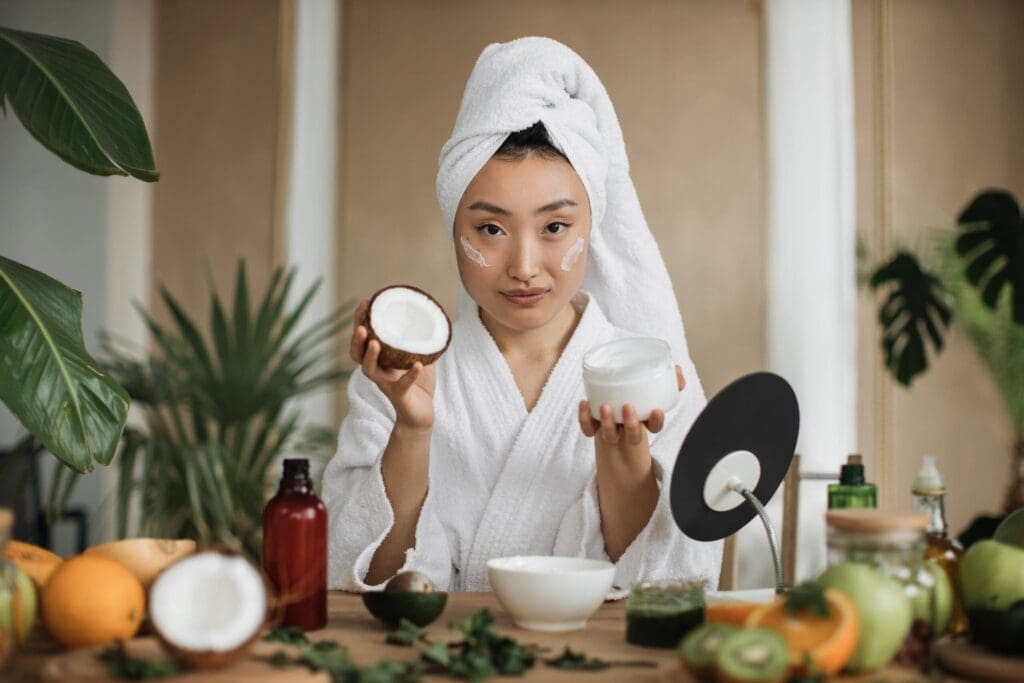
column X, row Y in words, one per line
column 975, row 274
column 219, row 412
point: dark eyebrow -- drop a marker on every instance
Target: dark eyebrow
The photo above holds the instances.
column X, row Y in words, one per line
column 557, row 204
column 487, row 206
column 493, row 208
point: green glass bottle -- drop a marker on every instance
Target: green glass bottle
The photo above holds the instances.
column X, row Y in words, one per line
column 852, row 491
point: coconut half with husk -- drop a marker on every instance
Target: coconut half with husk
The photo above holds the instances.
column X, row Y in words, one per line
column 410, row 326
column 208, row 609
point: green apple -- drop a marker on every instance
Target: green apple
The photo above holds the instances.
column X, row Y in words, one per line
column 992, row 575
column 1011, row 529
column 921, row 600
column 883, row 609
column 17, row 603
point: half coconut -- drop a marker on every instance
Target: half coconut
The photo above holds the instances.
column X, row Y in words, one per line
column 410, row 326
column 208, row 609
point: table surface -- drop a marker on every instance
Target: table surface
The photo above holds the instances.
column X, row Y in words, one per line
column 352, row 626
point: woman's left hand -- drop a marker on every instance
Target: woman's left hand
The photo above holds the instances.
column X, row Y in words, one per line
column 631, row 431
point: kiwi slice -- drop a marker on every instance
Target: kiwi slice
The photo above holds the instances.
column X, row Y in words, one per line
column 699, row 648
column 752, row 655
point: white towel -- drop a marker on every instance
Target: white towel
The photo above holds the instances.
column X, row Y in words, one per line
column 513, row 86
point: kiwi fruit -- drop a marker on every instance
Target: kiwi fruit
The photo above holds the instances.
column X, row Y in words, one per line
column 752, row 655
column 699, row 648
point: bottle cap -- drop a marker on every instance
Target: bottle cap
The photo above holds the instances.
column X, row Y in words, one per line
column 852, row 473
column 296, row 468
column 929, row 481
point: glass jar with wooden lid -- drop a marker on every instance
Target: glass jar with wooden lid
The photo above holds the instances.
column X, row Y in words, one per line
column 894, row 544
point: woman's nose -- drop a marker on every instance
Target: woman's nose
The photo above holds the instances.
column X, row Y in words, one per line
column 525, row 260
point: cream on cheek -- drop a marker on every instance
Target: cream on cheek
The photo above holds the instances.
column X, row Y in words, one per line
column 573, row 254
column 472, row 254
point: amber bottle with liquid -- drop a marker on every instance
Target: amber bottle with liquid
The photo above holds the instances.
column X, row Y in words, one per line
column 295, row 548
column 929, row 497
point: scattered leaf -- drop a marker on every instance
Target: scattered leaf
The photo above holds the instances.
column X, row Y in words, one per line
column 122, row 666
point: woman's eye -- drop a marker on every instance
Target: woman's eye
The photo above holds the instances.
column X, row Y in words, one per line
column 553, row 228
column 490, row 229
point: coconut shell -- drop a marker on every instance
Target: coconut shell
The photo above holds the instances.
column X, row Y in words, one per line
column 145, row 557
column 397, row 359
column 206, row 660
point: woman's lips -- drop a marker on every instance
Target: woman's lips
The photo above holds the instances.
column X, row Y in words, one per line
column 524, row 300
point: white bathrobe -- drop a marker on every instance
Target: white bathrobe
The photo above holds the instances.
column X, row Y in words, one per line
column 503, row 481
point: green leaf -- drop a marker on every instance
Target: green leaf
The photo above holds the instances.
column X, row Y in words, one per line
column 47, row 378
column 807, row 597
column 914, row 308
column 287, row 634
column 992, row 247
column 406, row 634
column 122, row 666
column 74, row 105
column 576, row 660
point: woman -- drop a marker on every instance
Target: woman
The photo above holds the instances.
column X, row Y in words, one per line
column 491, row 451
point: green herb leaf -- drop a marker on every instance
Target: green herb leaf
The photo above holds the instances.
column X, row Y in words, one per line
column 406, row 634
column 292, row 635
column 807, row 597
column 121, row 665
column 437, row 654
column 576, row 660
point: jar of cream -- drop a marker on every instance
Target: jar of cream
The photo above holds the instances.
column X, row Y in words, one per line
column 637, row 370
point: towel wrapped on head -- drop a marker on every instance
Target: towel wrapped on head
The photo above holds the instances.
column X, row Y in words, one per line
column 517, row 84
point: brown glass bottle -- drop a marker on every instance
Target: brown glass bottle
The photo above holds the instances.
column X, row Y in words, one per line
column 929, row 494
column 295, row 548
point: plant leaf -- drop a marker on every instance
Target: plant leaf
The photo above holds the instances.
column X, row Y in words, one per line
column 992, row 247
column 914, row 307
column 75, row 106
column 47, row 378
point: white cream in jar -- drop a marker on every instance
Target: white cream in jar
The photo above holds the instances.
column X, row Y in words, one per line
column 638, row 371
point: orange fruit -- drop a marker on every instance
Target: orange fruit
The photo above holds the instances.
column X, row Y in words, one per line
column 37, row 562
column 735, row 613
column 829, row 641
column 92, row 600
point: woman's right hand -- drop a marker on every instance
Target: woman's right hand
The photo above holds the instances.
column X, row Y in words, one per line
column 411, row 391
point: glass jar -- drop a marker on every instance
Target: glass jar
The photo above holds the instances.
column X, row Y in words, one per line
column 894, row 544
column 636, row 370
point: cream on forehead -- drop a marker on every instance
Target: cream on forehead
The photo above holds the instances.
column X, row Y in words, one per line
column 474, row 255
column 573, row 255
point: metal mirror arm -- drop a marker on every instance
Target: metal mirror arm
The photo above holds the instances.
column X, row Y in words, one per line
column 773, row 539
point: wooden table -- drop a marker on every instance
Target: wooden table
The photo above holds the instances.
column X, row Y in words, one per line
column 352, row 626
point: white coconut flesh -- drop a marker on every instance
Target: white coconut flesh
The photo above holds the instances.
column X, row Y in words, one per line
column 408, row 320
column 208, row 602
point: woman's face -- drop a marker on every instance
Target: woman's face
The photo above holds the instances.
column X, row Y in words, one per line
column 523, row 227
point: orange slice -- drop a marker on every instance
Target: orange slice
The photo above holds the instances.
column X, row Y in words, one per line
column 829, row 641
column 735, row 613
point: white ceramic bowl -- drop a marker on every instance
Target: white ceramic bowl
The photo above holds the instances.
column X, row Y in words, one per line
column 550, row 593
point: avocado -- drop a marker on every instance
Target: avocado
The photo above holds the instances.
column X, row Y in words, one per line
column 999, row 630
column 752, row 655
column 700, row 646
column 408, row 595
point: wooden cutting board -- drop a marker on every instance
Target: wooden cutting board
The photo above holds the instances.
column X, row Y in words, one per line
column 961, row 657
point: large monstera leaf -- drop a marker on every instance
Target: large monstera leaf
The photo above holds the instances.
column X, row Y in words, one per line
column 992, row 247
column 73, row 104
column 47, row 378
column 913, row 312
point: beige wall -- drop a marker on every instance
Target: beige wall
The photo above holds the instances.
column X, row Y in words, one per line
column 216, row 138
column 938, row 118
column 685, row 80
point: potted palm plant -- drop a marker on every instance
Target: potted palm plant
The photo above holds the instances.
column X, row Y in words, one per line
column 219, row 411
column 977, row 274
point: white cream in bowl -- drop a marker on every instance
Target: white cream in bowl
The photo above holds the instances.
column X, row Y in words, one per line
column 638, row 371
column 550, row 593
